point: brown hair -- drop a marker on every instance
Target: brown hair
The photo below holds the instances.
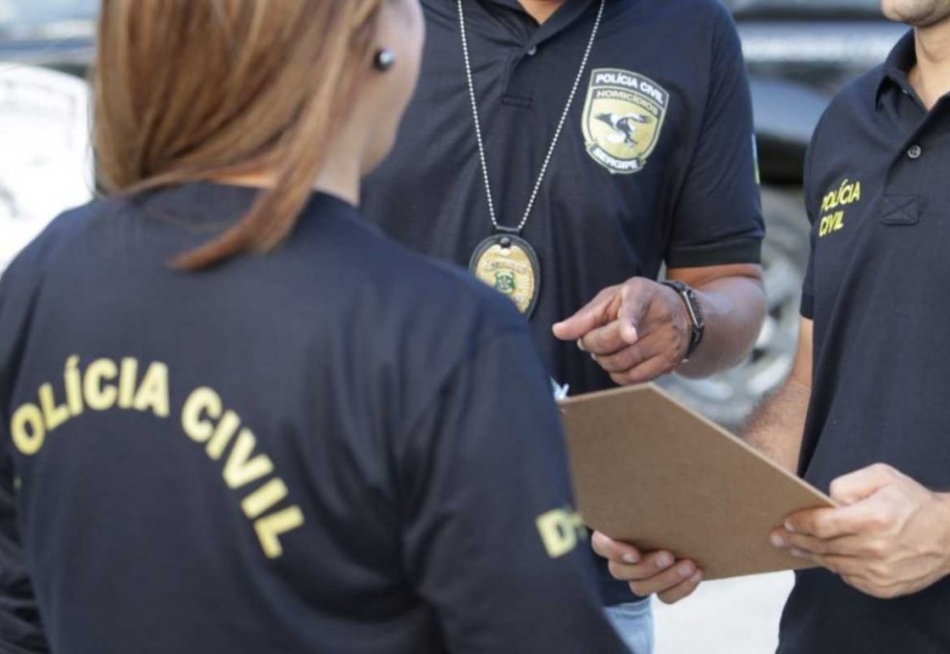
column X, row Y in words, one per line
column 190, row 90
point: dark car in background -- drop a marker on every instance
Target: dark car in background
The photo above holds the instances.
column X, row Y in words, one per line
column 798, row 52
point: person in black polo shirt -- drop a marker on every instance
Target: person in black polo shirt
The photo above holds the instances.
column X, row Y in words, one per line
column 564, row 150
column 299, row 437
column 865, row 413
column 873, row 359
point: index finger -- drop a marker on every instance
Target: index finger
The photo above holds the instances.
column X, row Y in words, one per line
column 829, row 523
column 613, row 550
column 598, row 312
column 636, row 295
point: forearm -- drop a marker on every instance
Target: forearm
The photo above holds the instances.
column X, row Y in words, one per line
column 777, row 425
column 642, row 329
column 733, row 310
column 944, row 502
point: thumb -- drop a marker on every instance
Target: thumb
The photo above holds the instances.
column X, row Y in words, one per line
column 859, row 485
column 596, row 313
column 636, row 297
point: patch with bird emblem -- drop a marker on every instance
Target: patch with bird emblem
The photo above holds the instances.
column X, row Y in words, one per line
column 623, row 118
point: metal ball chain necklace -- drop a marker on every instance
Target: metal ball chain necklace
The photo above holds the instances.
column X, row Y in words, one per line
column 505, row 260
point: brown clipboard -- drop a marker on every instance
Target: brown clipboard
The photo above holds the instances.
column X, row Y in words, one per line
column 650, row 471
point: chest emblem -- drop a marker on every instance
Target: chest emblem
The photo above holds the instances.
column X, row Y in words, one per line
column 623, row 118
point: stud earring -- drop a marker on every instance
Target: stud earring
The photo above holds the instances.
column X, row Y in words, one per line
column 385, row 59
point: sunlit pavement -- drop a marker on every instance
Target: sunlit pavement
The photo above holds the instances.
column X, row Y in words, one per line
column 733, row 616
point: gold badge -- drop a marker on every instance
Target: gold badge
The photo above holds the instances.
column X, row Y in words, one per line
column 623, row 118
column 509, row 265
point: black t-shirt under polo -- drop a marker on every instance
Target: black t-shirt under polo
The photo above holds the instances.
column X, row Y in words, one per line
column 676, row 65
column 879, row 202
column 339, row 447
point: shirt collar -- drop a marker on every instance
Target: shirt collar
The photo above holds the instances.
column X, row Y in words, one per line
column 516, row 5
column 565, row 16
column 897, row 66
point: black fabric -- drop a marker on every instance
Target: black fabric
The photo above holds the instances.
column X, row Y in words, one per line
column 397, row 404
column 694, row 202
column 875, row 290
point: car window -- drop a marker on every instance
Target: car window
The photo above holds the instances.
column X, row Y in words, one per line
column 798, row 7
column 33, row 17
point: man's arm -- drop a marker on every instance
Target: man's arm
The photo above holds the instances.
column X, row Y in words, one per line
column 640, row 330
column 777, row 426
column 734, row 305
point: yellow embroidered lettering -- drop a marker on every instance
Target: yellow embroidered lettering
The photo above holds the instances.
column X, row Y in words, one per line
column 264, row 498
column 99, row 396
column 240, row 468
column 153, row 392
column 271, row 527
column 560, row 530
column 27, row 429
column 202, row 402
column 73, row 381
column 127, row 379
column 53, row 415
column 225, row 431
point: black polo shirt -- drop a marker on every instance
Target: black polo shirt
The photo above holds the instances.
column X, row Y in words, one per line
column 683, row 192
column 339, row 447
column 879, row 202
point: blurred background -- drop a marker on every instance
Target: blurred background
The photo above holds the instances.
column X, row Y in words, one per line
column 798, row 52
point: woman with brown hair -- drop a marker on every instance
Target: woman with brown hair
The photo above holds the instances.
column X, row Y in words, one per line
column 235, row 418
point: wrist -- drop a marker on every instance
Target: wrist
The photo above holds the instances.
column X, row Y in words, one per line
column 692, row 311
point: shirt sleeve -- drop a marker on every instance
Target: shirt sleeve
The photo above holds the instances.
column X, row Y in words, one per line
column 718, row 216
column 812, row 207
column 21, row 630
column 491, row 539
column 808, row 285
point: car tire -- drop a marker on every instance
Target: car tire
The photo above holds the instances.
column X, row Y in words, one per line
column 729, row 397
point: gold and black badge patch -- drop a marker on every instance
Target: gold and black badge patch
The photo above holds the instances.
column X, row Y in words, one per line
column 623, row 118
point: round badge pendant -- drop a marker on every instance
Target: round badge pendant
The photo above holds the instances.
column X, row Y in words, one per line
column 509, row 264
